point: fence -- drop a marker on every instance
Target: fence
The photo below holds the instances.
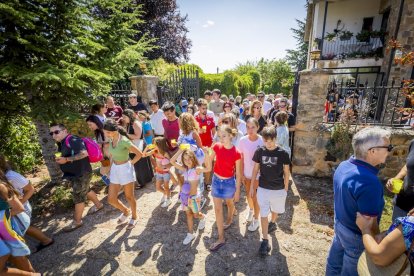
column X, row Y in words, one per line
column 183, row 83
column 359, row 103
column 351, row 48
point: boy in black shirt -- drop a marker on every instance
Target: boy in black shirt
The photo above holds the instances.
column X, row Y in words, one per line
column 273, row 163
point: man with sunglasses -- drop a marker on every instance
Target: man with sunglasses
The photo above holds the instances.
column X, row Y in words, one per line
column 74, row 163
column 283, row 105
column 357, row 190
column 135, row 103
column 266, row 105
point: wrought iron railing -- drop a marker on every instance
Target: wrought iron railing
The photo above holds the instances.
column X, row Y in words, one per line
column 364, row 104
column 351, row 48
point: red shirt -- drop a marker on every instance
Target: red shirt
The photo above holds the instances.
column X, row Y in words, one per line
column 225, row 165
column 206, row 137
column 171, row 131
column 114, row 113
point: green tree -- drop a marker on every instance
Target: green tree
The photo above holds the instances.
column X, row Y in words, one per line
column 54, row 54
column 275, row 76
column 297, row 57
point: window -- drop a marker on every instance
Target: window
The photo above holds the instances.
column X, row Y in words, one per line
column 367, row 24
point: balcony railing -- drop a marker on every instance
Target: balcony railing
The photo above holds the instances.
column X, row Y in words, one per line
column 351, row 48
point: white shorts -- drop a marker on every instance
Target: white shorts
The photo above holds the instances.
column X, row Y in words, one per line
column 122, row 174
column 271, row 200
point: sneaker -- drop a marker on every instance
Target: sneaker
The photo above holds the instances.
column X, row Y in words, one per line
column 163, row 198
column 188, row 238
column 203, row 202
column 264, row 248
column 254, row 225
column 249, row 216
column 272, row 227
column 166, row 203
column 202, row 223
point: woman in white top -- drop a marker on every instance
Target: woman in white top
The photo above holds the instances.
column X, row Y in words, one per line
column 282, row 131
column 99, row 111
column 26, row 191
column 247, row 146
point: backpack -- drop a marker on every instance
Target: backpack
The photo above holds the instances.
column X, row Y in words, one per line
column 93, row 149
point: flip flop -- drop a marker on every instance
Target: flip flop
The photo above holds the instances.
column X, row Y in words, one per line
column 122, row 219
column 131, row 224
column 41, row 246
column 216, row 246
column 73, row 226
column 94, row 209
column 227, row 226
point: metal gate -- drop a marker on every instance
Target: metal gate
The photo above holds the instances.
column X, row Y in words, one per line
column 183, row 83
column 120, row 94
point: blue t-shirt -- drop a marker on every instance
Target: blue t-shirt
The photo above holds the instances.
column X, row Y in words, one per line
column 357, row 189
column 146, row 126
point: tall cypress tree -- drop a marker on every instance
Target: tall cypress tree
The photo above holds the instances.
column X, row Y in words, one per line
column 53, row 52
column 297, row 57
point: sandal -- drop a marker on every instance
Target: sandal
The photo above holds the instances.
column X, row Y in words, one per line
column 208, row 187
column 227, row 226
column 73, row 226
column 216, row 246
column 41, row 246
column 138, row 186
column 122, row 219
column 131, row 224
column 94, row 209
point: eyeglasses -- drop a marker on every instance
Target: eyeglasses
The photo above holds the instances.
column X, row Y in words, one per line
column 389, row 147
column 56, row 132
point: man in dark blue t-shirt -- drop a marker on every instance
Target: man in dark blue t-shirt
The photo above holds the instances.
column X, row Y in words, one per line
column 357, row 189
column 74, row 163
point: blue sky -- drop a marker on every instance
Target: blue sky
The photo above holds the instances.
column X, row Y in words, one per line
column 227, row 32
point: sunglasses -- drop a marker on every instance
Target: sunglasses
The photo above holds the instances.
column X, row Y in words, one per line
column 226, row 122
column 389, row 147
column 56, row 132
column 257, row 107
column 260, row 97
column 282, row 106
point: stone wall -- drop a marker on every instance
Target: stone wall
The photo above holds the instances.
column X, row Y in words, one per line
column 309, row 151
column 405, row 37
column 145, row 86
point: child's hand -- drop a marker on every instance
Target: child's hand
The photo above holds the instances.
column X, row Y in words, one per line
column 199, row 170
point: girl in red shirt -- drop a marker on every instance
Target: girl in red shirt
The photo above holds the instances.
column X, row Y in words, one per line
column 225, row 186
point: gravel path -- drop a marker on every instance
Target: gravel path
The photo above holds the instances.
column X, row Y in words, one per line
column 154, row 247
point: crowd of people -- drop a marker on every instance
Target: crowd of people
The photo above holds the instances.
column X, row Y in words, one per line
column 215, row 145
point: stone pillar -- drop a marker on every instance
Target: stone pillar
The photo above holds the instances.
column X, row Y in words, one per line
column 145, row 86
column 309, row 151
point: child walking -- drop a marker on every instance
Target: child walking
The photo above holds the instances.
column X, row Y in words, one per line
column 161, row 163
column 273, row 163
column 248, row 146
column 190, row 195
column 225, row 186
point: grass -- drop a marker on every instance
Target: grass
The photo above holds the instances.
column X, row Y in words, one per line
column 386, row 218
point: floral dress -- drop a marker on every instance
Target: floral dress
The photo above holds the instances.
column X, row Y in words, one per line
column 407, row 225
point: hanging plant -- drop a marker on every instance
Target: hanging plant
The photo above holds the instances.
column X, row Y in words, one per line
column 345, row 35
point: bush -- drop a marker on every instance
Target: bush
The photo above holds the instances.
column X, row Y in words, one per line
column 19, row 143
column 340, row 143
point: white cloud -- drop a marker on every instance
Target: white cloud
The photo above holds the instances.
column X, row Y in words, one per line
column 209, row 23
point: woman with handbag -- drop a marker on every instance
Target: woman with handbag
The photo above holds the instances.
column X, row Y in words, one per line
column 143, row 168
column 391, row 254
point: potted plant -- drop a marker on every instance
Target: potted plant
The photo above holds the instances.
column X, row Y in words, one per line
column 345, row 35
column 330, row 36
column 363, row 36
column 378, row 34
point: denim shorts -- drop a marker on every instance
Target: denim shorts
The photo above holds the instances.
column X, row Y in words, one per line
column 162, row 176
column 223, row 188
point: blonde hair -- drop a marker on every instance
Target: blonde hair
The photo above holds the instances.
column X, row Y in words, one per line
column 192, row 156
column 231, row 118
column 187, row 123
column 251, row 110
column 231, row 131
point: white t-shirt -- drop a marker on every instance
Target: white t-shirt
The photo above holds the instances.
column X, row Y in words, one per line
column 17, row 180
column 248, row 148
column 156, row 122
column 242, row 127
column 266, row 107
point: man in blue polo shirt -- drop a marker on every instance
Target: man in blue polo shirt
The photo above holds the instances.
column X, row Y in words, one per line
column 357, row 189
